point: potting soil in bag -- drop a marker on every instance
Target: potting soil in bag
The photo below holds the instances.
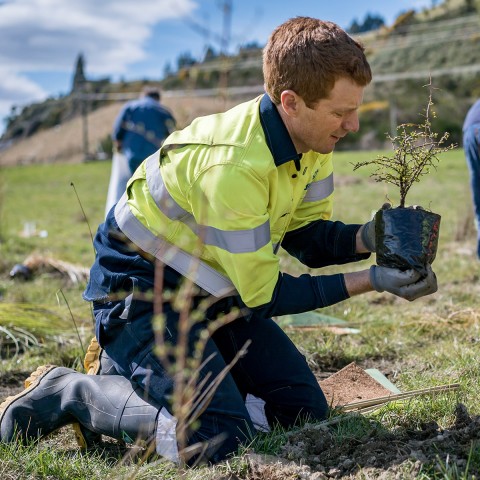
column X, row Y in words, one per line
column 406, row 238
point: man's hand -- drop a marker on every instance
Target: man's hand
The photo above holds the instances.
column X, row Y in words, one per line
column 406, row 284
column 367, row 231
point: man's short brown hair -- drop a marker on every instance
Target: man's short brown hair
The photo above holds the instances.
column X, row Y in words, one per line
column 308, row 56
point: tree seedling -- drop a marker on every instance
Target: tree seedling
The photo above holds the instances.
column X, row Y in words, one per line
column 408, row 237
column 416, row 148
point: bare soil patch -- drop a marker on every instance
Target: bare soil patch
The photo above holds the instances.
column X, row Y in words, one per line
column 351, row 384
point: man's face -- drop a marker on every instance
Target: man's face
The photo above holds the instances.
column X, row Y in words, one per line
column 321, row 127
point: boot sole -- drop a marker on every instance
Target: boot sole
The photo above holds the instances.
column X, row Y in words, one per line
column 30, row 383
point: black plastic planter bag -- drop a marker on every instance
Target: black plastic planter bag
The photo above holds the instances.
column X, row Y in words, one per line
column 406, row 238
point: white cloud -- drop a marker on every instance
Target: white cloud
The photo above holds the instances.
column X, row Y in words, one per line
column 16, row 87
column 47, row 35
column 18, row 90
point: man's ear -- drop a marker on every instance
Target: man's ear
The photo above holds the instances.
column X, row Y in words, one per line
column 291, row 102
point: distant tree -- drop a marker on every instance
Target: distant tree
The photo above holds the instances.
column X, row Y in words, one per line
column 470, row 4
column 167, row 70
column 8, row 121
column 210, row 54
column 185, row 59
column 354, row 26
column 79, row 74
column 254, row 45
column 371, row 22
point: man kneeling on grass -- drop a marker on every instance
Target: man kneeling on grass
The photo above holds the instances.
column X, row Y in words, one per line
column 214, row 205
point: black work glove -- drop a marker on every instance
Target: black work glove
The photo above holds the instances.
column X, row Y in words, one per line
column 368, row 231
column 408, row 284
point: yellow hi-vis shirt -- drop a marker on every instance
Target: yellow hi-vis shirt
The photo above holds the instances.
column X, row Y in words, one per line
column 213, row 204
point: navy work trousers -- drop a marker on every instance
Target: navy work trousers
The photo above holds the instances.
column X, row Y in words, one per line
column 273, row 370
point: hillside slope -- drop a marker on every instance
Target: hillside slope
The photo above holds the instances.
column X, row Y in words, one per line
column 429, row 45
column 64, row 143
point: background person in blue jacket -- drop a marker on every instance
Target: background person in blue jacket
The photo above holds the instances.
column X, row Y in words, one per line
column 471, row 146
column 214, row 206
column 138, row 131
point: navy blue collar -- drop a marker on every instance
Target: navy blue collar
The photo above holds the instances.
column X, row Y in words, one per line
column 276, row 134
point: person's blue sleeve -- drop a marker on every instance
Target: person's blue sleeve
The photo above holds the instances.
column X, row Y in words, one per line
column 323, row 243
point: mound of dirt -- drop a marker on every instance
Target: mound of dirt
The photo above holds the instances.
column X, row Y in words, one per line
column 351, row 384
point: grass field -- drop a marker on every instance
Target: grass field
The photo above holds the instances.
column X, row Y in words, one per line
column 432, row 341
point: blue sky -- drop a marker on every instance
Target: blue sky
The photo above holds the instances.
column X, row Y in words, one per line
column 135, row 39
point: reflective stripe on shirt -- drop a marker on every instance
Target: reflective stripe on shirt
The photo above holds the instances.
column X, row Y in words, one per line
column 187, row 265
column 320, row 189
column 236, row 241
column 164, row 201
